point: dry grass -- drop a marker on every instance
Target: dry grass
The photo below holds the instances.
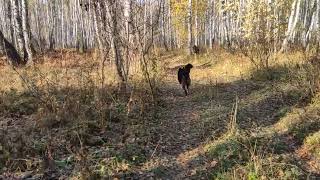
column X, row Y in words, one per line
column 57, row 121
column 62, row 101
column 270, row 116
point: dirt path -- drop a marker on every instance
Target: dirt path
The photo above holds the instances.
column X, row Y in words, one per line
column 188, row 124
column 183, row 132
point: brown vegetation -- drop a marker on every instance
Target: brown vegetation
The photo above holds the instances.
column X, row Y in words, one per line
column 58, row 122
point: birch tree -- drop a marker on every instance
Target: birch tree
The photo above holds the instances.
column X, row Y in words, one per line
column 112, row 8
column 26, row 31
column 17, row 24
column 190, row 35
column 168, row 24
column 10, row 51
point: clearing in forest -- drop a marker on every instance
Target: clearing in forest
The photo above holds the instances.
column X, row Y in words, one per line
column 236, row 123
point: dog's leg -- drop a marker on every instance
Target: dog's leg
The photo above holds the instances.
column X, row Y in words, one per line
column 188, row 89
column 188, row 84
column 185, row 89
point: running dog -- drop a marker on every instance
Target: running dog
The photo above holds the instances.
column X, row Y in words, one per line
column 184, row 77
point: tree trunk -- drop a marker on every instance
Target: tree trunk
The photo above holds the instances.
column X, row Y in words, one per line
column 196, row 33
column 293, row 20
column 115, row 39
column 18, row 28
column 318, row 26
column 11, row 21
column 128, row 19
column 10, row 51
column 26, row 31
column 98, row 31
column 190, row 39
column 163, row 27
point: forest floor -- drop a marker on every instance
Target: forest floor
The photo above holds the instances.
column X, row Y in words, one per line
column 237, row 123
column 193, row 127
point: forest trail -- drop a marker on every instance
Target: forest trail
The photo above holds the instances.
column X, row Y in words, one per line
column 188, row 124
column 186, row 137
column 183, row 131
column 182, row 136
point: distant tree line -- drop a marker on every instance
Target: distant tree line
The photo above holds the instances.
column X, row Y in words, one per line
column 126, row 29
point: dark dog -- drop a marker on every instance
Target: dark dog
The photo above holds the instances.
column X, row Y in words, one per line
column 196, row 49
column 184, row 77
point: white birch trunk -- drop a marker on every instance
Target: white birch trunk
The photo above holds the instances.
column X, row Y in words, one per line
column 26, row 31
column 18, row 28
column 293, row 20
column 190, row 39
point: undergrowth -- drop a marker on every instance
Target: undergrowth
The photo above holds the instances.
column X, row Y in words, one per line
column 62, row 119
column 282, row 142
column 58, row 115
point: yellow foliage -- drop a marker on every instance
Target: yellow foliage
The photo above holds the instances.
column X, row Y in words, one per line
column 179, row 9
